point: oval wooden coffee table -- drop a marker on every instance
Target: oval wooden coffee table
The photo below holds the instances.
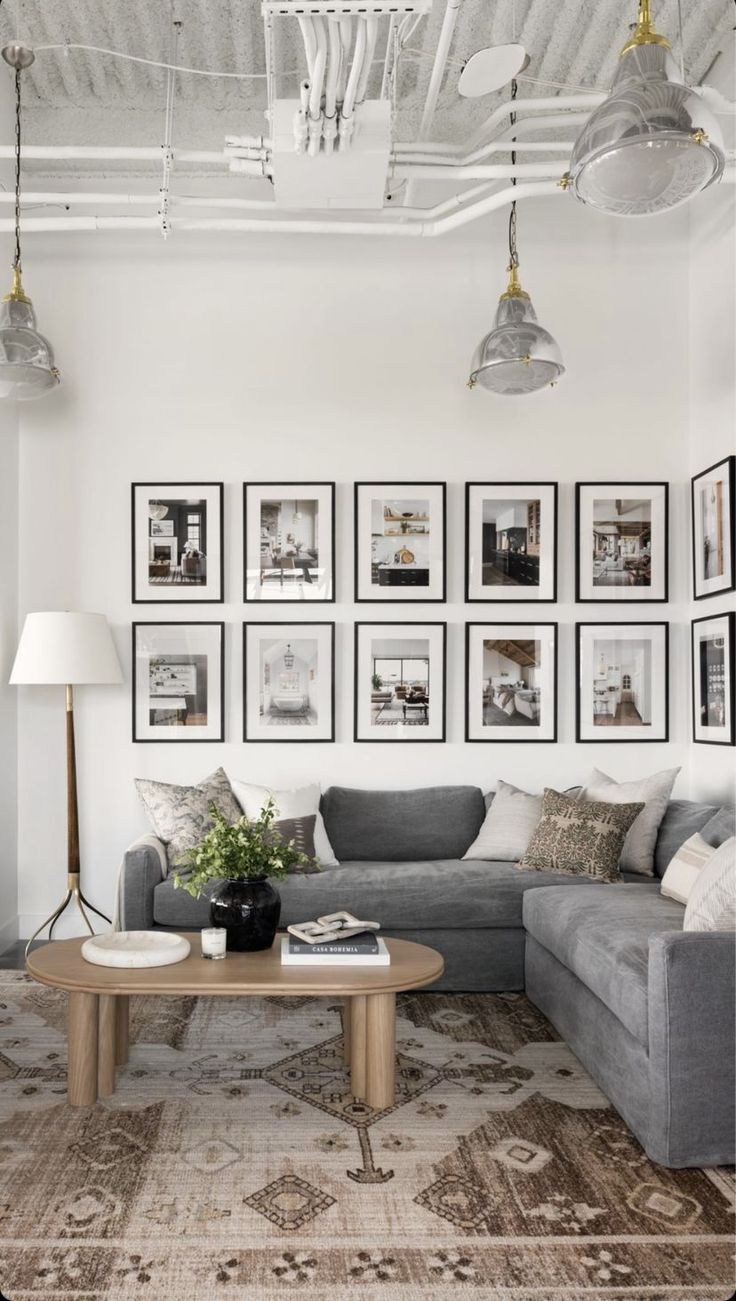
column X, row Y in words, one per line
column 98, row 1005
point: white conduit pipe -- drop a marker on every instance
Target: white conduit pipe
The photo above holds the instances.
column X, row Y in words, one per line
column 105, row 153
column 521, row 128
column 371, row 25
column 480, row 172
column 435, row 81
column 334, row 62
column 346, row 43
column 351, row 90
column 300, row 226
column 555, row 103
column 501, row 147
column 317, row 89
column 310, row 42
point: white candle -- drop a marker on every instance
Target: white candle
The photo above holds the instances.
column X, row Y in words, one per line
column 214, row 942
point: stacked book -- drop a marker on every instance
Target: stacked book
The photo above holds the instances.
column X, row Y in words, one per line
column 366, row 950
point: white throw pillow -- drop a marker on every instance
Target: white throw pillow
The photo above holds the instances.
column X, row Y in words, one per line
column 638, row 851
column 299, row 803
column 507, row 827
column 712, row 902
column 685, row 867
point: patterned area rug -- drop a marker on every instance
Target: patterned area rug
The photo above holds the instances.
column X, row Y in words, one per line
column 232, row 1163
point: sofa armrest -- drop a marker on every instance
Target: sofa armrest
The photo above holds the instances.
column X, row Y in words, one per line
column 692, row 979
column 140, row 873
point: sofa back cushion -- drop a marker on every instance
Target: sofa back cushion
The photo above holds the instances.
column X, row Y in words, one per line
column 402, row 826
column 681, row 820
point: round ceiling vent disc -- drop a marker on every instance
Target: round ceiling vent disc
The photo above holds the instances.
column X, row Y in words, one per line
column 490, row 69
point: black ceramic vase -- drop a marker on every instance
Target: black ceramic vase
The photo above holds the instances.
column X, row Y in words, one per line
column 249, row 911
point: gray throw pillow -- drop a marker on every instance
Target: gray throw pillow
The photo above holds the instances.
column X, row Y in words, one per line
column 508, row 825
column 579, row 838
column 180, row 815
column 637, row 854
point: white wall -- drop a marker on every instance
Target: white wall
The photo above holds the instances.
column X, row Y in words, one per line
column 330, row 360
column 712, row 410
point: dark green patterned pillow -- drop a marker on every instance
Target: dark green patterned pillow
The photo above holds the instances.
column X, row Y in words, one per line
column 579, row 839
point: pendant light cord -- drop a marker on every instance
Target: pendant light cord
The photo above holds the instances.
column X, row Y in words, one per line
column 16, row 260
column 513, row 255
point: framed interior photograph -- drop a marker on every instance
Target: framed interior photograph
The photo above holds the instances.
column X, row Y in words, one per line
column 511, row 682
column 622, row 682
column 400, row 681
column 621, row 532
column 288, row 682
column 714, row 529
column 511, row 541
column 177, row 542
column 289, row 541
column 714, row 675
column 178, row 682
column 400, row 541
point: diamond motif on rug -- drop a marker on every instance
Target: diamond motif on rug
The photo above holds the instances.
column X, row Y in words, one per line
column 319, row 1076
column 290, row 1202
column 456, row 1200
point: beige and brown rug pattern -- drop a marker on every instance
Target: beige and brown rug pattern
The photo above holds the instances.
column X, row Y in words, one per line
column 232, row 1164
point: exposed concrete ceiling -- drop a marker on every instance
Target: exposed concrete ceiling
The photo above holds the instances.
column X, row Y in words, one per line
column 79, row 97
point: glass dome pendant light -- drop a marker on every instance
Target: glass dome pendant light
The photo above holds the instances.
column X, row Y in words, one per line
column 652, row 144
column 517, row 356
column 27, row 367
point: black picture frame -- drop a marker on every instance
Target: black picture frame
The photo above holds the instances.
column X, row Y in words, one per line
column 730, row 476
column 220, row 534
column 180, row 739
column 604, row 738
column 403, row 740
column 381, row 600
column 291, row 739
column 730, row 618
column 288, row 483
column 616, row 599
column 511, row 483
column 511, row 739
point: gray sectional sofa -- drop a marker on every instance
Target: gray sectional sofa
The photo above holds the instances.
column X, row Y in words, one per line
column 648, row 1008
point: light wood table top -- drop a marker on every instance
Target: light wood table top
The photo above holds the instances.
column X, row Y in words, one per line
column 61, row 965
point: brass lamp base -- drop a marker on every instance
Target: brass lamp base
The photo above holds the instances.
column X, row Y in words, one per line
column 73, row 895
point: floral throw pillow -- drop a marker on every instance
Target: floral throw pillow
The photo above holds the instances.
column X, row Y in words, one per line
column 180, row 815
column 579, row 839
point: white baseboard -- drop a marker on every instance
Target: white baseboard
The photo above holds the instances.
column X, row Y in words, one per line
column 9, row 933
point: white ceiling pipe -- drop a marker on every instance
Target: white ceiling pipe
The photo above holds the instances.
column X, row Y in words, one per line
column 315, row 226
column 480, row 172
column 346, row 44
column 351, row 90
column 503, row 147
column 249, row 142
column 520, row 128
column 537, row 105
column 334, row 63
column 306, row 28
column 111, row 153
column 371, row 33
column 388, row 55
column 439, row 68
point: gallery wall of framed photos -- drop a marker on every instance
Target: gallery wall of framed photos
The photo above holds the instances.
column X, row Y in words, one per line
column 620, row 669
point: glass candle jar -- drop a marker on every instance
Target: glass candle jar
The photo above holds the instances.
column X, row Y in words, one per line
column 214, row 942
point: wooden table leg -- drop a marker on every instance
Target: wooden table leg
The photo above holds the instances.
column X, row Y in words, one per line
column 82, row 1068
column 357, row 1045
column 122, row 1033
column 106, row 1043
column 380, row 1050
column 346, row 1031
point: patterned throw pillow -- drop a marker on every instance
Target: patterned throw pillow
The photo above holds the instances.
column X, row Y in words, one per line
column 301, row 831
column 180, row 815
column 579, row 839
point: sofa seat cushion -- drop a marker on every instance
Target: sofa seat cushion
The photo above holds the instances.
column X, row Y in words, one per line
column 403, row 826
column 441, row 895
column 602, row 936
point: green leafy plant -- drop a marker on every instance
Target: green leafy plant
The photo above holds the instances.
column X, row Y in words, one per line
column 376, row 682
column 247, row 850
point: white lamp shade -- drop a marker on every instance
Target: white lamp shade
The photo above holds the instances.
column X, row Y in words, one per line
column 61, row 646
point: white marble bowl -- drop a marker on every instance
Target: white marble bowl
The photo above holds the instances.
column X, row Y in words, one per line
column 135, row 949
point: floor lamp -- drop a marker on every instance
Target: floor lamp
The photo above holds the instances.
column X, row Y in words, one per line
column 66, row 648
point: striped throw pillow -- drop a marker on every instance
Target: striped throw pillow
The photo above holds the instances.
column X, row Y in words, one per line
column 685, row 867
column 712, row 903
